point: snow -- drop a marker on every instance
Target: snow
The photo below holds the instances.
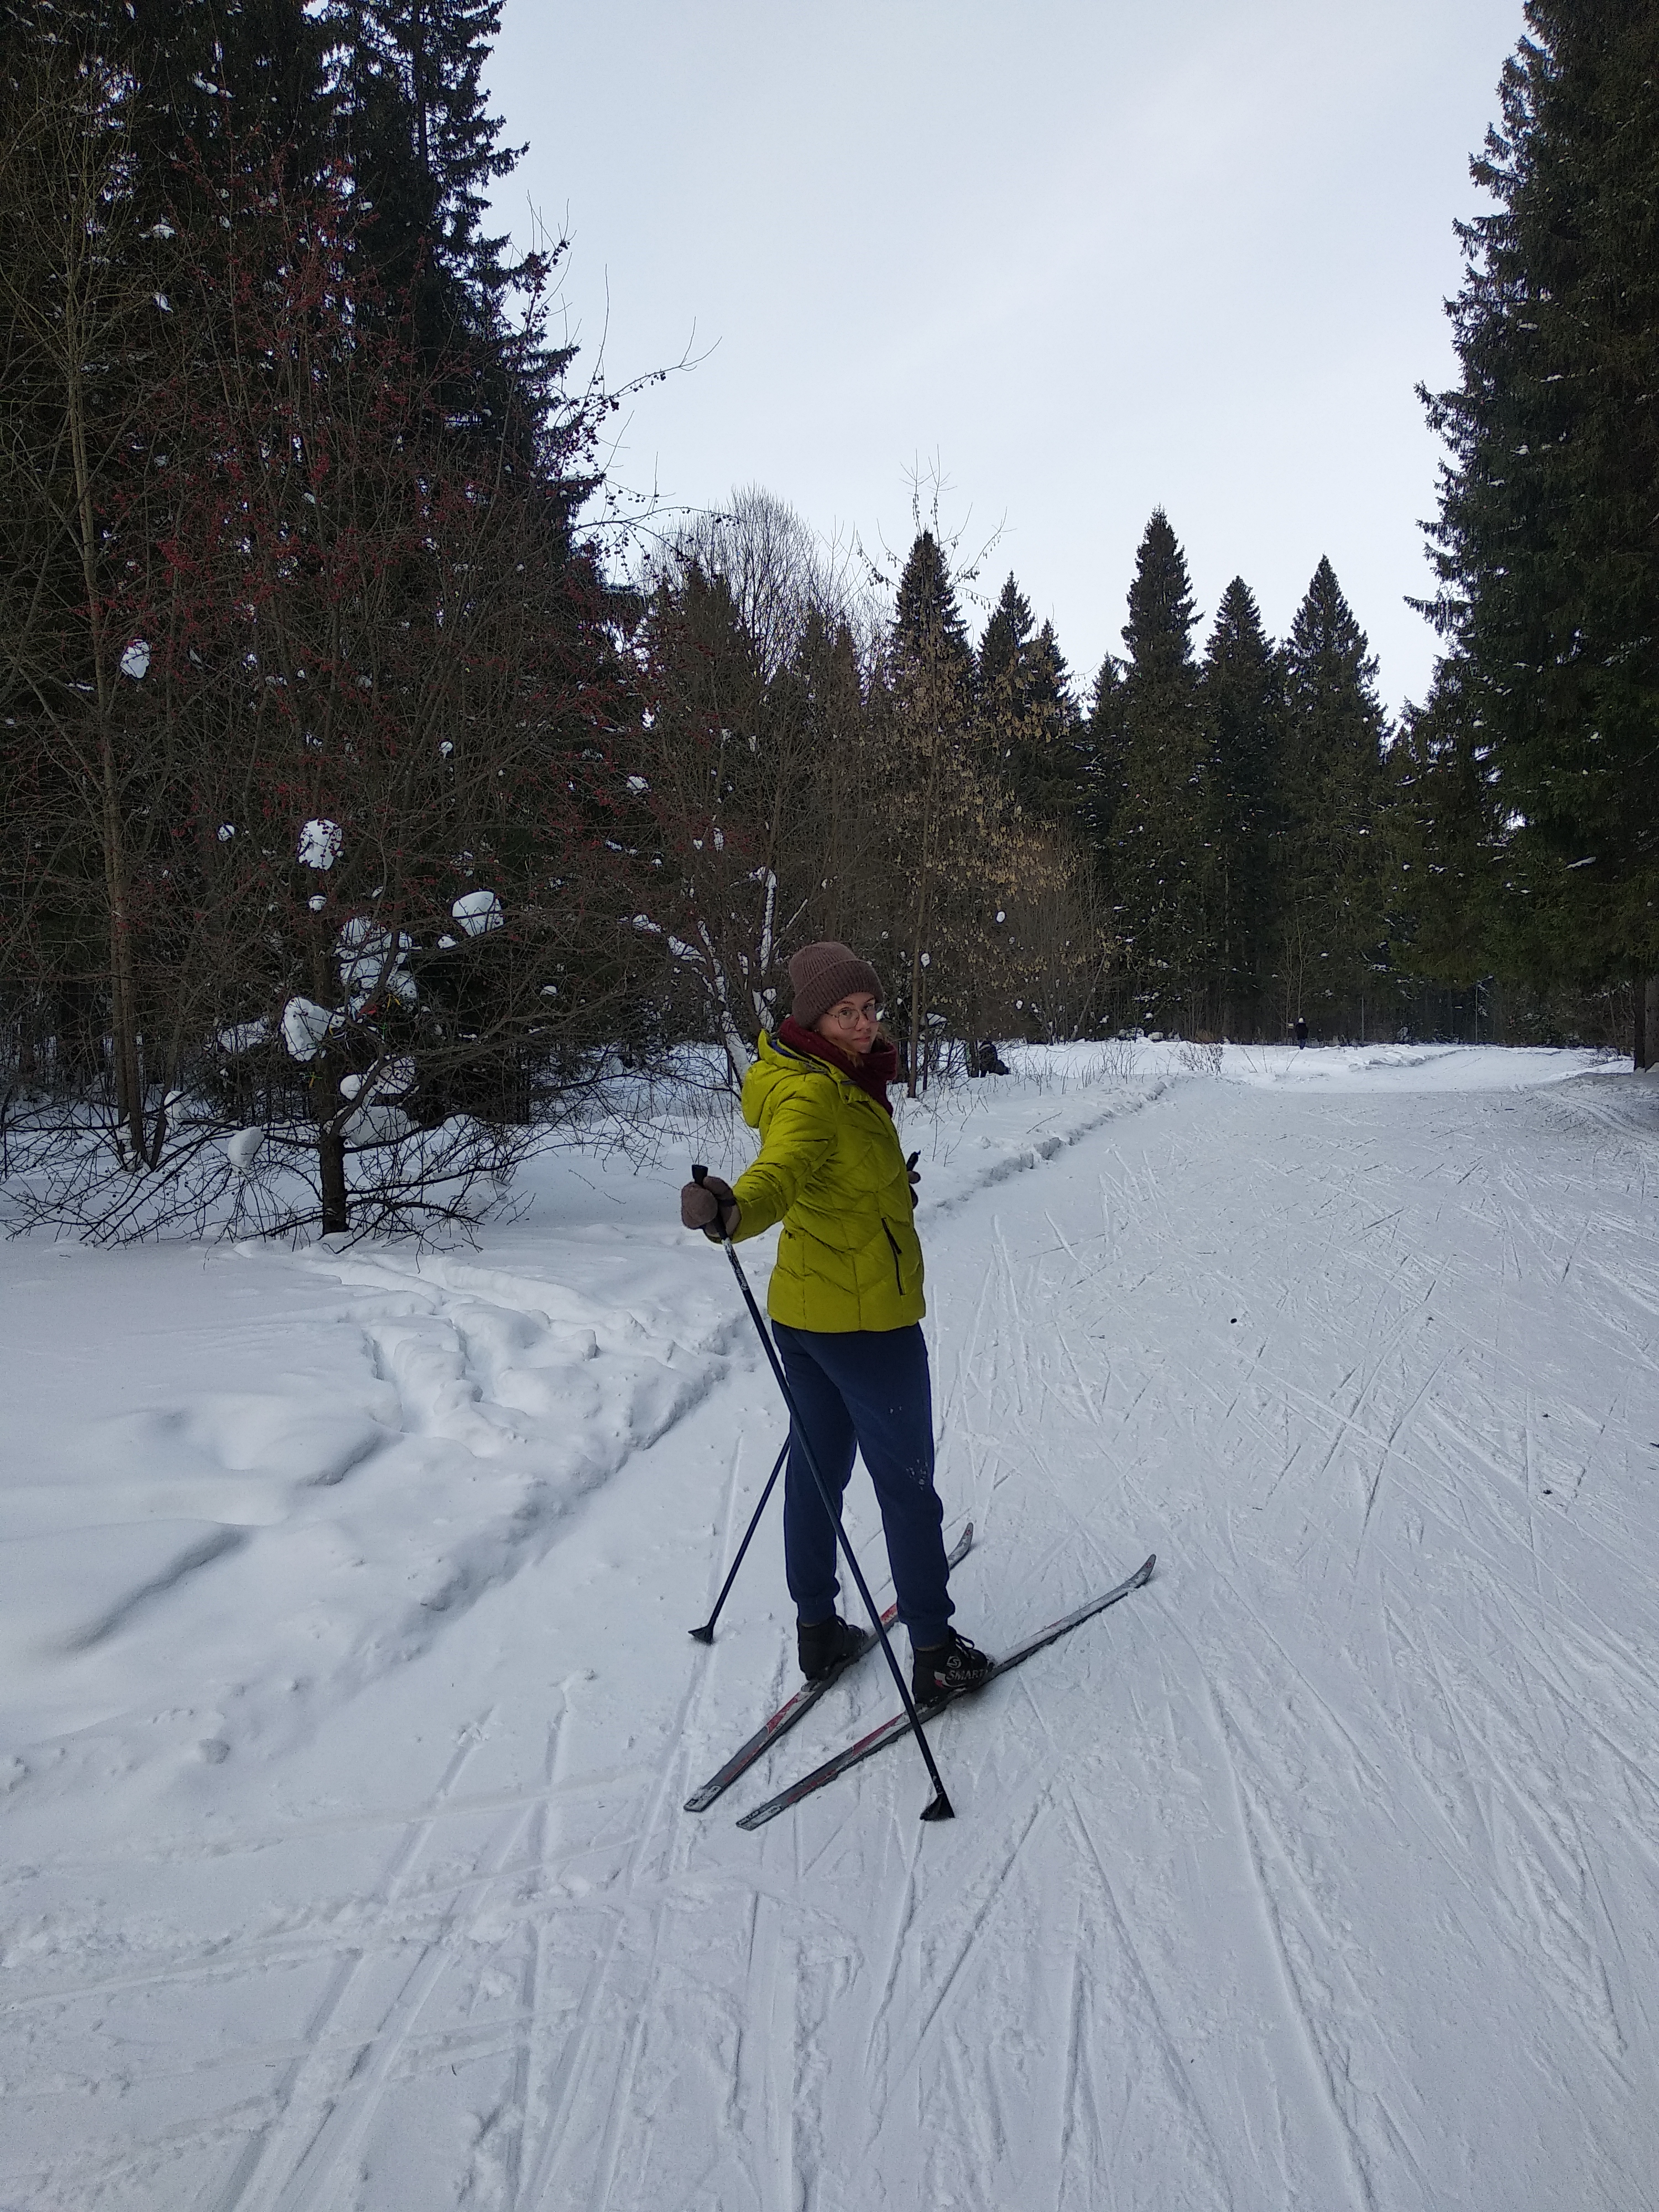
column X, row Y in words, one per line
column 478, row 911
column 305, row 1026
column 321, row 843
column 346, row 1707
column 241, row 1149
column 372, row 959
column 135, row 660
column 244, row 1036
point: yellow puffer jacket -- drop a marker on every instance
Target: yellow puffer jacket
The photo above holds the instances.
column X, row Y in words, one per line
column 832, row 1170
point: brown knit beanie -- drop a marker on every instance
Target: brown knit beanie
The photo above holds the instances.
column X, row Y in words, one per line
column 823, row 974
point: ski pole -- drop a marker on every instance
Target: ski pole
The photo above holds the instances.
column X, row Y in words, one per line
column 940, row 1807
column 706, row 1633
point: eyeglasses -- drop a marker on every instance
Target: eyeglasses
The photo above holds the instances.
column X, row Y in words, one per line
column 848, row 1017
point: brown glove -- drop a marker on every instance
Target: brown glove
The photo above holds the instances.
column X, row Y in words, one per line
column 710, row 1205
column 910, row 1171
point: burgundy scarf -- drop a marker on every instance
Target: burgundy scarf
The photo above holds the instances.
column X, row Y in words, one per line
column 872, row 1075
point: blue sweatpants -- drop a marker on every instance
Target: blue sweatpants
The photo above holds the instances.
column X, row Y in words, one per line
column 868, row 1389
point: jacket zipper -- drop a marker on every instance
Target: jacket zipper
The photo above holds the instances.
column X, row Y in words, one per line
column 893, row 1241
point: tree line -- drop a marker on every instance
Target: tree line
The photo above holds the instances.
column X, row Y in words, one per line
column 311, row 675
column 368, row 809
column 1203, row 848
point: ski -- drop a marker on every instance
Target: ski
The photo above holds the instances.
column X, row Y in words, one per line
column 892, row 1730
column 806, row 1697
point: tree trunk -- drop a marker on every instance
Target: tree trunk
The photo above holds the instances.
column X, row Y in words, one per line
column 924, row 881
column 123, row 1027
column 331, row 1174
column 330, row 1110
column 1645, row 1007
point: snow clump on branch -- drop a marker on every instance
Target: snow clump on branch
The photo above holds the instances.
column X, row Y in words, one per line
column 321, row 843
column 478, row 911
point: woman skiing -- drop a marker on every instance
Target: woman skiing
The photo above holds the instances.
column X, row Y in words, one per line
column 846, row 1303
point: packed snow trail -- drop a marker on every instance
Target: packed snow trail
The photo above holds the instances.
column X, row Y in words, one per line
column 1321, row 1875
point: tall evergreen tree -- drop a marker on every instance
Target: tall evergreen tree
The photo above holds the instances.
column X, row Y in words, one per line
column 1444, row 846
column 937, row 792
column 1240, row 697
column 844, row 893
column 1330, row 866
column 424, row 150
column 1007, row 634
column 237, row 514
column 1101, row 745
column 1547, row 541
column 1158, row 845
column 928, row 629
column 206, row 71
column 1028, row 719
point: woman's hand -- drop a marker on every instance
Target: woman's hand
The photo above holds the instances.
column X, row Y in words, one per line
column 712, row 1206
column 910, row 1171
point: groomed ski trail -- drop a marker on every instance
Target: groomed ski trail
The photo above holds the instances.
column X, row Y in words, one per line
column 1324, row 1876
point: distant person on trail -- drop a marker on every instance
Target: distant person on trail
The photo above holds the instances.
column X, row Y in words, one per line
column 1299, row 1027
column 846, row 1305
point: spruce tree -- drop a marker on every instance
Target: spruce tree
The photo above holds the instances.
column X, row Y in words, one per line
column 424, row 151
column 1007, row 634
column 1444, row 844
column 1330, row 865
column 938, row 796
column 929, row 630
column 1240, row 698
column 847, row 886
column 1101, row 749
column 1545, row 542
column 1159, row 856
column 1028, row 722
column 212, row 71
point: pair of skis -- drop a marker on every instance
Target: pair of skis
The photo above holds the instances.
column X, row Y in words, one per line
column 889, row 1731
column 796, row 1708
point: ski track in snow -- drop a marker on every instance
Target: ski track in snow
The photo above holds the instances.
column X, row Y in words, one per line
column 1320, row 1873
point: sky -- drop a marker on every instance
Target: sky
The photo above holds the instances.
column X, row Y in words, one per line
column 1077, row 258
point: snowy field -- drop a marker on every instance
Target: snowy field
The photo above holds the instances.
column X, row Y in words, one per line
column 348, row 1707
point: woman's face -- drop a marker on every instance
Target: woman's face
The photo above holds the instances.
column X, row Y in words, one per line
column 850, row 1023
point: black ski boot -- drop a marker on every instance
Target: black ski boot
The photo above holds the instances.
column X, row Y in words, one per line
column 942, row 1670
column 824, row 1647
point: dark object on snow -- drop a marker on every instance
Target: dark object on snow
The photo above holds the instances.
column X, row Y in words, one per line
column 824, row 1647
column 1299, row 1029
column 946, row 1670
column 987, row 1060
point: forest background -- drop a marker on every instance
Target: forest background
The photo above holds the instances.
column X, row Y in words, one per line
column 384, row 784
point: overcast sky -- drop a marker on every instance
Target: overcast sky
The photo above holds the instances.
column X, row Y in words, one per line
column 1091, row 258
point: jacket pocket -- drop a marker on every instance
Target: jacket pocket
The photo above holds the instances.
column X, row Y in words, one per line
column 892, row 1245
